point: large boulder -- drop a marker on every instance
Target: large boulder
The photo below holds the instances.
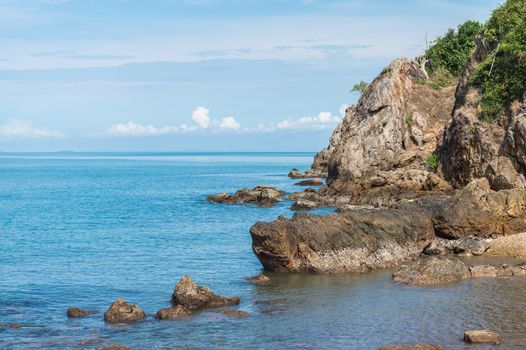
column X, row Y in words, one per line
column 121, row 311
column 351, row 241
column 192, row 296
column 265, row 196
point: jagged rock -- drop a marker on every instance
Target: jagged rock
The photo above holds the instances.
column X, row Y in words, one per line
column 259, row 279
column 296, row 174
column 121, row 311
column 465, row 245
column 261, row 195
column 312, row 182
column 472, row 149
column 350, row 241
column 234, row 313
column 114, row 347
column 395, row 125
column 302, row 204
column 76, row 312
column 192, row 296
column 482, row 337
column 433, row 270
column 413, row 347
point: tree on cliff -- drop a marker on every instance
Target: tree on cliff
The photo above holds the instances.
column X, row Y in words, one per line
column 359, row 87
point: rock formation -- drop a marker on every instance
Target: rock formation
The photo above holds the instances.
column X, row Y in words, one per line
column 76, row 312
column 358, row 240
column 233, row 313
column 192, row 296
column 441, row 270
column 482, row 337
column 473, row 149
column 265, row 196
column 121, row 311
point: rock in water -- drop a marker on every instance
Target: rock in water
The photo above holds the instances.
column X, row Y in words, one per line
column 114, row 347
column 233, row 313
column 482, row 337
column 173, row 313
column 121, row 311
column 76, row 312
column 259, row 279
column 192, row 296
column 312, row 182
column 302, row 204
column 431, row 271
column 413, row 347
column 296, row 174
column 265, row 196
column 351, row 241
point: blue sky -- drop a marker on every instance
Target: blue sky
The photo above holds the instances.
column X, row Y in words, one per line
column 199, row 75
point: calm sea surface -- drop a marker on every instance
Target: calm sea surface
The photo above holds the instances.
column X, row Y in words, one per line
column 81, row 229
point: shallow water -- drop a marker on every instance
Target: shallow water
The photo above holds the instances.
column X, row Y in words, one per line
column 83, row 229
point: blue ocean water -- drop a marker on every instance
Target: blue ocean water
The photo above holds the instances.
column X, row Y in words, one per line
column 81, row 229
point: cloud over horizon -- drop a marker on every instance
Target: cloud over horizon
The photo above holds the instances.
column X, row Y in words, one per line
column 15, row 128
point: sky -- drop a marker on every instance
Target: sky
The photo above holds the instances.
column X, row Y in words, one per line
column 199, row 75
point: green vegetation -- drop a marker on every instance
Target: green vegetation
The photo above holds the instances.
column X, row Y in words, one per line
column 473, row 129
column 408, row 119
column 432, row 161
column 385, row 70
column 502, row 74
column 360, row 87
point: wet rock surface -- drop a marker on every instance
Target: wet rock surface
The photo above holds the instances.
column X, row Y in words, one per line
column 233, row 313
column 259, row 279
column 192, row 296
column 173, row 313
column 413, row 347
column 302, row 204
column 443, row 270
column 76, row 312
column 11, row 325
column 114, row 347
column 265, row 196
column 466, row 246
column 121, row 311
column 311, row 182
column 482, row 337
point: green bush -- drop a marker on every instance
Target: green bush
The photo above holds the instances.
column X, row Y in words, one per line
column 432, row 161
column 408, row 119
column 502, row 74
column 473, row 129
column 451, row 51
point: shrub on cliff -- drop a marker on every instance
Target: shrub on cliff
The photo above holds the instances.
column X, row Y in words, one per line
column 502, row 74
column 448, row 54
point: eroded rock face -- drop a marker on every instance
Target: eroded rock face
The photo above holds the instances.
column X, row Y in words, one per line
column 473, row 149
column 192, row 296
column 302, row 204
column 466, row 246
column 313, row 182
column 265, row 196
column 121, row 311
column 351, row 241
column 173, row 313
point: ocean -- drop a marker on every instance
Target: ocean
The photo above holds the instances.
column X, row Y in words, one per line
column 81, row 229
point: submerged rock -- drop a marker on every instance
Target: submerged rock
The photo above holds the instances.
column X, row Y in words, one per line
column 442, row 270
column 76, row 312
column 265, row 196
column 312, row 182
column 433, row 270
column 115, row 346
column 192, row 296
column 259, row 279
column 11, row 325
column 302, row 204
column 482, row 337
column 413, row 347
column 121, row 311
column 173, row 313
column 233, row 313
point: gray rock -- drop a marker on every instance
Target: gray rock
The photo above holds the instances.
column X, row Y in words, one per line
column 302, row 204
column 482, row 337
column 265, row 196
column 432, row 271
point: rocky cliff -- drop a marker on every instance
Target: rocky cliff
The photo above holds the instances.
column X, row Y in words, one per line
column 473, row 148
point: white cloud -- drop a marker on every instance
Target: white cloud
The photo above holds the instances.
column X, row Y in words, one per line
column 134, row 129
column 322, row 121
column 15, row 128
column 229, row 123
column 200, row 116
